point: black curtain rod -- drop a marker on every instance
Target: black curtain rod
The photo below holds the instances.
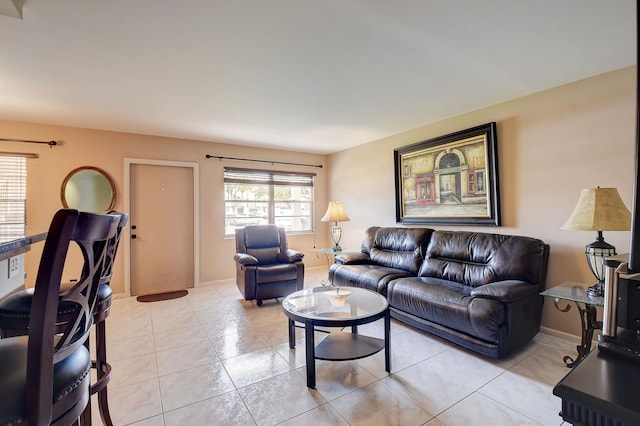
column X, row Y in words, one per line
column 50, row 143
column 318, row 166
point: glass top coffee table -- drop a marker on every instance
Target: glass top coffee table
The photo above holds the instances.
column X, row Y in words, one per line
column 337, row 307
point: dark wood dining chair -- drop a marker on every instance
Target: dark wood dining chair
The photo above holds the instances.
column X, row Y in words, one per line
column 46, row 373
column 14, row 321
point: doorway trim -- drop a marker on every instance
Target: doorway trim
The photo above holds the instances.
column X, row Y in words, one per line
column 128, row 162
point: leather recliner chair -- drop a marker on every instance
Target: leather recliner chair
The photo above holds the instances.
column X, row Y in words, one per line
column 265, row 267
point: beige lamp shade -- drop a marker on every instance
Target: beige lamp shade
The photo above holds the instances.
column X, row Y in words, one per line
column 335, row 213
column 599, row 209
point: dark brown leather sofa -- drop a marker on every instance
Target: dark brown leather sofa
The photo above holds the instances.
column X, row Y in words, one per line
column 478, row 290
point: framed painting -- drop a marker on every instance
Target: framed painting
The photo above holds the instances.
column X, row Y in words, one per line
column 451, row 179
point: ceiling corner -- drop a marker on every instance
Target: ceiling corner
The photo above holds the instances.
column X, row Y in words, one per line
column 11, row 8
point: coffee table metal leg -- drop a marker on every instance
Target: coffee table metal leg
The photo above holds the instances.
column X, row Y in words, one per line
column 387, row 342
column 310, row 349
column 292, row 334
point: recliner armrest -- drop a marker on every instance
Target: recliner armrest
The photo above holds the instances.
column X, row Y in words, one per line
column 291, row 256
column 352, row 258
column 245, row 259
column 505, row 291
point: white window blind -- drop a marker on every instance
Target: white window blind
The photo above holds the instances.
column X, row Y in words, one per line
column 13, row 197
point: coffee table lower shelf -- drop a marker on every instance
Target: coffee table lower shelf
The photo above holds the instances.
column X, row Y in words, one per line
column 343, row 346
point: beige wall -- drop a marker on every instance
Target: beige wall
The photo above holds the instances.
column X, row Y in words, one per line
column 107, row 150
column 550, row 145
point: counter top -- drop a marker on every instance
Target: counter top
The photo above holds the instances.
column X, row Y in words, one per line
column 12, row 248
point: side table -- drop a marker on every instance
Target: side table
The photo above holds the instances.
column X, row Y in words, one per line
column 586, row 305
column 330, row 254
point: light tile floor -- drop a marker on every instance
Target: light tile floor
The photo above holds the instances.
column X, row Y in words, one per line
column 211, row 358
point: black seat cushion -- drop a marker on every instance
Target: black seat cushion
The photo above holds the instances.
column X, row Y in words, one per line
column 370, row 276
column 19, row 305
column 68, row 375
column 448, row 303
column 275, row 273
column 15, row 309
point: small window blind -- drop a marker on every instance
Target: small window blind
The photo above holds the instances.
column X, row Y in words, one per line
column 267, row 177
column 13, row 197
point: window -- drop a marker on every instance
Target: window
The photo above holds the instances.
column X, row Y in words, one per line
column 260, row 197
column 13, row 197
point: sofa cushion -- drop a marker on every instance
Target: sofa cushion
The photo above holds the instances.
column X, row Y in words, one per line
column 475, row 259
column 277, row 272
column 449, row 304
column 369, row 276
column 397, row 248
column 263, row 243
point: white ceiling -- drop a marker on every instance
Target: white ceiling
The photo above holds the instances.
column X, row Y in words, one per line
column 305, row 75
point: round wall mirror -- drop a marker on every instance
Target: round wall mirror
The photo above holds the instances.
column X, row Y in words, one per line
column 88, row 189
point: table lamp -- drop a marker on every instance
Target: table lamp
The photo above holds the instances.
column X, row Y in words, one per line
column 599, row 209
column 335, row 213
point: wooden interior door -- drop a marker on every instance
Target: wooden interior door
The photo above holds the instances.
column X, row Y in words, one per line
column 162, row 228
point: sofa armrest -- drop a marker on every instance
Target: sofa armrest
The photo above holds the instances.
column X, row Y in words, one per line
column 505, row 291
column 291, row 256
column 352, row 258
column 245, row 259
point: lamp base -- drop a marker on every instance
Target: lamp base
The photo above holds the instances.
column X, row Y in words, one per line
column 596, row 253
column 336, row 234
column 596, row 290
